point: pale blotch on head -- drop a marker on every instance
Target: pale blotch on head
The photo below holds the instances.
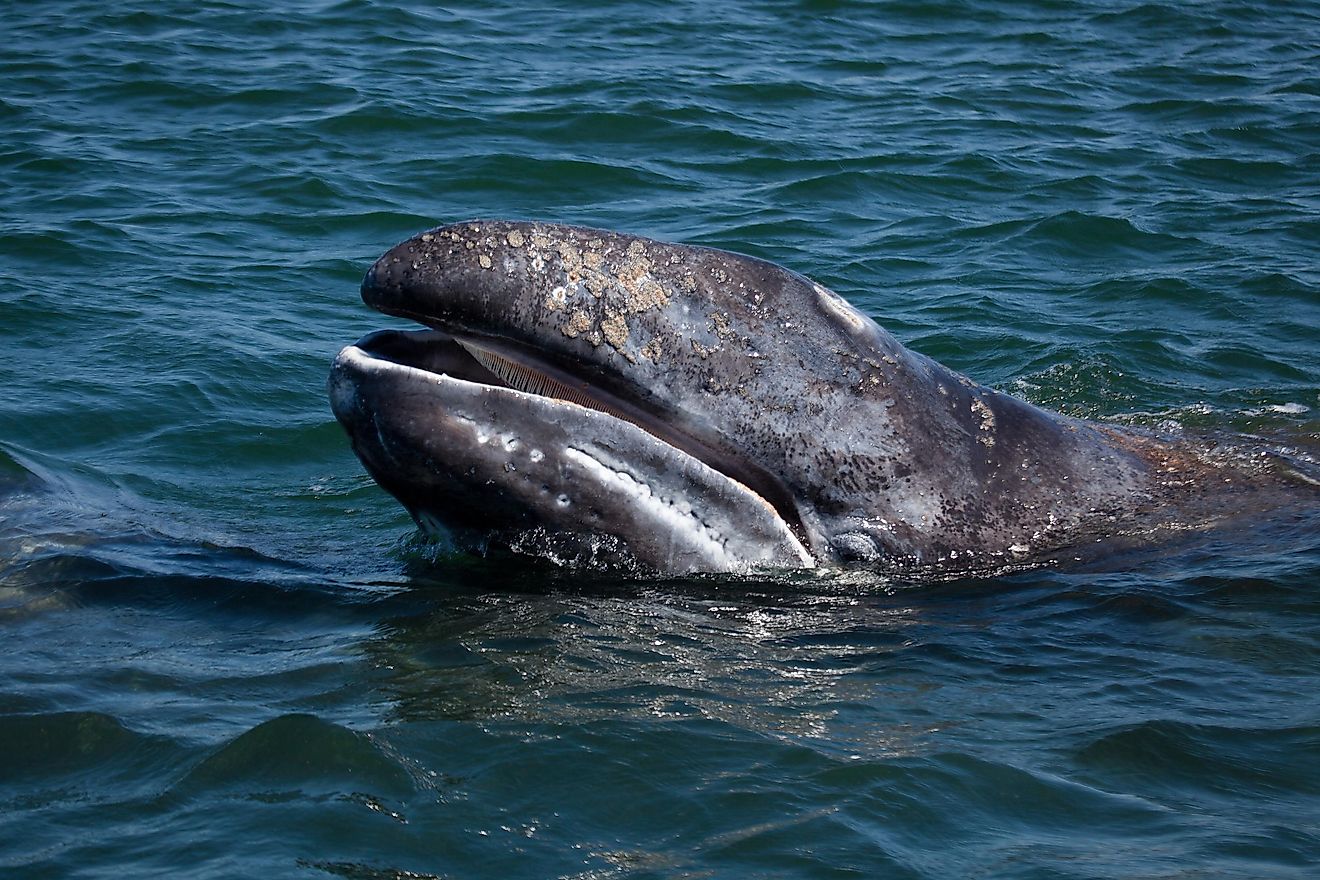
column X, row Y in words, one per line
column 839, row 307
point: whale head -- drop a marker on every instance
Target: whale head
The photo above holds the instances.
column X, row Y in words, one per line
column 693, row 409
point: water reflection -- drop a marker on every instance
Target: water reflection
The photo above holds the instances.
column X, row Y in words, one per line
column 766, row 657
column 850, row 664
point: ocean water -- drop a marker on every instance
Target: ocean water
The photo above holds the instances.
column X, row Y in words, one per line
column 228, row 654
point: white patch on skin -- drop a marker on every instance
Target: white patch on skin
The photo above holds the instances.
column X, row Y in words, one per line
column 919, row 509
column 677, row 515
column 840, row 307
column 680, row 517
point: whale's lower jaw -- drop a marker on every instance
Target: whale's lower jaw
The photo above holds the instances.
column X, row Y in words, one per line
column 435, row 423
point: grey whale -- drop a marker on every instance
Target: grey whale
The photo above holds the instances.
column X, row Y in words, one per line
column 687, row 409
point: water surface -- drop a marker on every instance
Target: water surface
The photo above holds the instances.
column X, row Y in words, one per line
column 229, row 655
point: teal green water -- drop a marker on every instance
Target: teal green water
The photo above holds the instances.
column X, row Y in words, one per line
column 226, row 652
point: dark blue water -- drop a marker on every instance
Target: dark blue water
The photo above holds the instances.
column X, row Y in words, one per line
column 228, row 654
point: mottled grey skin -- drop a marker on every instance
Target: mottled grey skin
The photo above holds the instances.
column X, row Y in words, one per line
column 867, row 450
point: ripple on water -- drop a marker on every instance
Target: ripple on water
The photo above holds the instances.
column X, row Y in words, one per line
column 228, row 654
column 1165, row 758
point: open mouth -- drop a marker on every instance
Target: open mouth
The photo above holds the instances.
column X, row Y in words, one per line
column 503, row 364
column 499, row 364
